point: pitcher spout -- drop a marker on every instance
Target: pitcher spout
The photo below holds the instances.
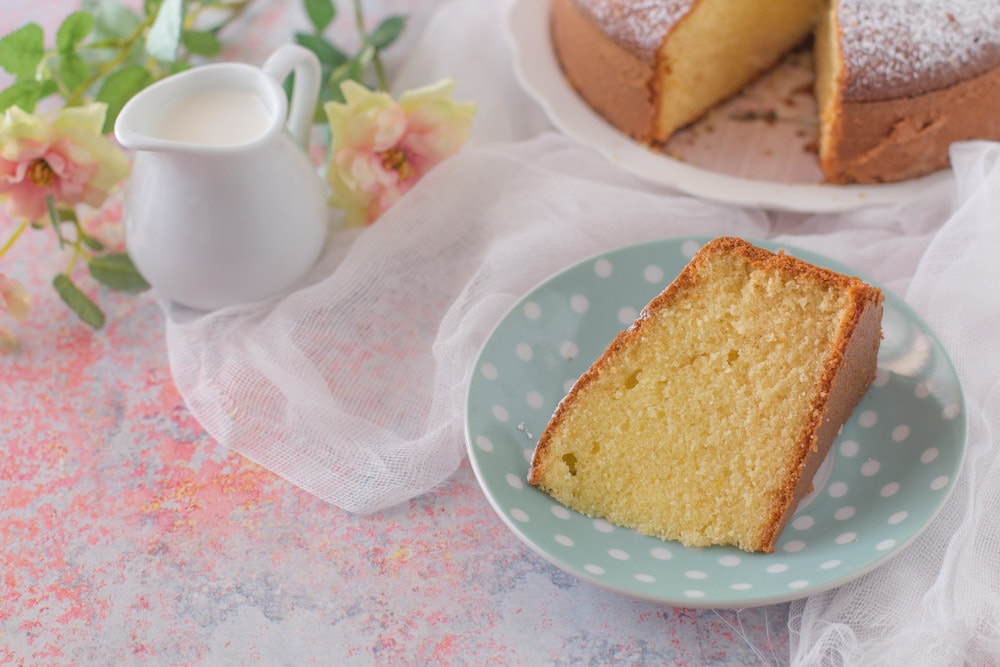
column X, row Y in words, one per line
column 218, row 108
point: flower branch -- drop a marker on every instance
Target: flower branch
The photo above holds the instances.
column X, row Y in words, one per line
column 51, row 163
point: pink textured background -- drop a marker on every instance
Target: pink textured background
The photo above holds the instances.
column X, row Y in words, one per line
column 127, row 535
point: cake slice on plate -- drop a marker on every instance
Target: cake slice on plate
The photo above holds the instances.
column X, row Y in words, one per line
column 705, row 421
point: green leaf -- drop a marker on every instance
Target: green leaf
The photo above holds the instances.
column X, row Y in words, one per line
column 81, row 304
column 201, row 42
column 165, row 34
column 73, row 69
column 365, row 57
column 54, row 219
column 74, row 29
column 91, row 242
column 118, row 88
column 47, row 88
column 321, row 13
column 387, row 32
column 178, row 66
column 24, row 94
column 111, row 18
column 117, row 272
column 67, row 215
column 352, row 70
column 327, row 53
column 22, row 50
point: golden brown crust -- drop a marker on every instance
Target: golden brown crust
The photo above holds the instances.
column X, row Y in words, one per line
column 894, row 140
column 614, row 80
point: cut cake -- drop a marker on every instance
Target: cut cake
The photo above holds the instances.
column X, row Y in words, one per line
column 706, row 420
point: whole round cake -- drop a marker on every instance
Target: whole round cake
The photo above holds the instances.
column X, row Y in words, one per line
column 897, row 81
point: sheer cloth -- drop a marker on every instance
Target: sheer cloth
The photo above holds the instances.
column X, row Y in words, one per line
column 352, row 385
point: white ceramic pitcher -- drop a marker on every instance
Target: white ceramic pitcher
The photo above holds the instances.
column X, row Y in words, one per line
column 223, row 205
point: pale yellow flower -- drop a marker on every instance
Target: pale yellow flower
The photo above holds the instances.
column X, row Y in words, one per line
column 382, row 148
column 64, row 157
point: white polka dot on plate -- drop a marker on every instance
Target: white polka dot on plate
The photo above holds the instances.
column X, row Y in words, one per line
column 603, row 268
column 601, row 525
column 923, row 390
column 532, row 310
column 627, row 314
column 729, row 560
column 618, row 554
column 694, row 594
column 500, row 412
column 898, row 517
column 696, row 574
column 794, row 546
column 524, row 352
column 645, row 578
column 885, row 545
column 484, row 443
column 869, row 468
column 889, row 490
column 777, row 568
column 868, row 418
column 489, row 371
column 514, row 481
column 837, row 489
column 929, row 455
column 803, row 522
column 579, row 303
column 951, row 411
column 939, row 483
column 653, row 274
column 846, row 538
column 661, row 553
column 829, row 565
column 535, row 399
column 690, row 248
column 741, row 586
column 529, row 454
column 560, row 512
column 568, row 349
column 844, row 513
column 849, row 448
column 520, row 515
column 565, row 541
column 798, row 583
column 594, row 569
column 881, row 377
column 568, row 385
column 900, row 433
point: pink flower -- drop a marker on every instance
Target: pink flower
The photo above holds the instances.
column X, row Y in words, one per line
column 66, row 158
column 382, row 148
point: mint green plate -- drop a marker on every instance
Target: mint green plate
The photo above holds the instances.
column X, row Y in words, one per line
column 887, row 476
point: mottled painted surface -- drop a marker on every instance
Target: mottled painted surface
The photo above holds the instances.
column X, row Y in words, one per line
column 128, row 536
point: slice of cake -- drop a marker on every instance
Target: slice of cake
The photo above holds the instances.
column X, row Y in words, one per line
column 705, row 421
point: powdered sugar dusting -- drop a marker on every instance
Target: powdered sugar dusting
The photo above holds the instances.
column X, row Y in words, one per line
column 637, row 25
column 896, row 48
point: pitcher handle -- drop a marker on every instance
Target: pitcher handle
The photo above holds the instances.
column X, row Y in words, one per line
column 306, row 92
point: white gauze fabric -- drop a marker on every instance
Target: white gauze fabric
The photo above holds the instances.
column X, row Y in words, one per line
column 353, row 385
column 938, row 602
